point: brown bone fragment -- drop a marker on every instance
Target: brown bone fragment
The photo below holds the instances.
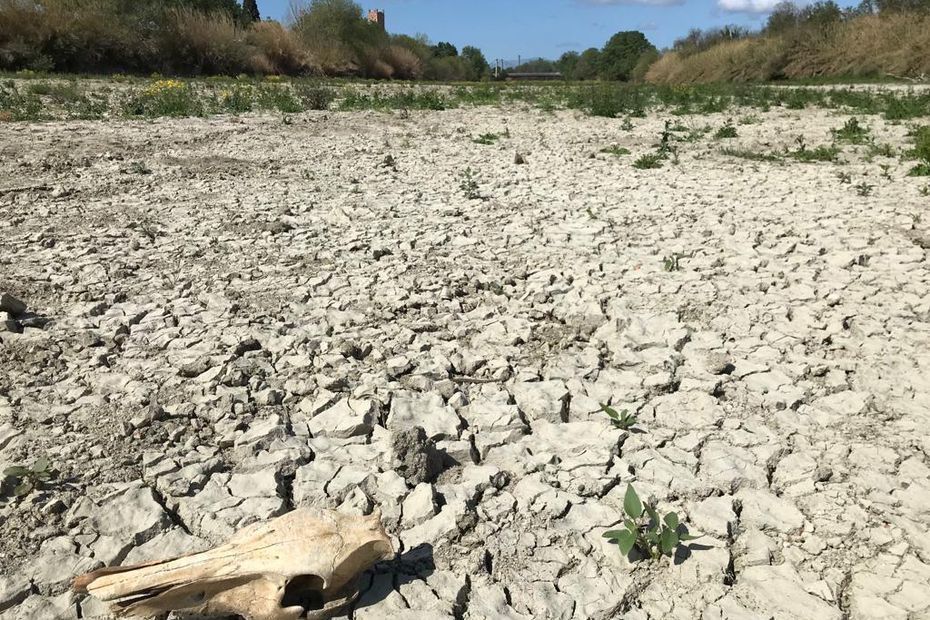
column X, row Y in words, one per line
column 304, row 564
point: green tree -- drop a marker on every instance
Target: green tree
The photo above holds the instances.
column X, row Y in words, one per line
column 821, row 13
column 335, row 29
column 250, row 7
column 622, row 52
column 588, row 64
column 784, row 17
column 477, row 64
column 899, row 6
column 566, row 64
column 444, row 49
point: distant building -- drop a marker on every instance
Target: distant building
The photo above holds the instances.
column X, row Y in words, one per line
column 376, row 16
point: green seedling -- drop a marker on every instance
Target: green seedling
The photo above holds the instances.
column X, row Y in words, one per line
column 26, row 479
column 627, row 124
column 845, row 178
column 864, row 189
column 645, row 530
column 925, row 190
column 624, row 420
column 671, row 263
column 469, row 185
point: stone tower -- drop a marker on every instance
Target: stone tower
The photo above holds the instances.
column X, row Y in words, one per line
column 376, row 16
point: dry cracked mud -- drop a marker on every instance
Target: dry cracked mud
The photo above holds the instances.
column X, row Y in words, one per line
column 229, row 317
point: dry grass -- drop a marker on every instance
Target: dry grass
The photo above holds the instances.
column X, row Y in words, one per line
column 280, row 50
column 743, row 60
column 897, row 44
column 406, row 65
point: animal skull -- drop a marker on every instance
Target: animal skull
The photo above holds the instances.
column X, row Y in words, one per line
column 301, row 565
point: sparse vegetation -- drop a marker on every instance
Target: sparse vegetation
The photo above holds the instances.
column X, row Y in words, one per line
column 486, row 138
column 645, row 530
column 921, row 151
column 818, row 154
column 615, row 150
column 750, row 155
column 139, row 97
column 671, row 263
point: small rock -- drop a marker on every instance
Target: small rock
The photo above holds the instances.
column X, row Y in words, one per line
column 347, row 418
column 419, row 506
column 415, row 457
column 10, row 304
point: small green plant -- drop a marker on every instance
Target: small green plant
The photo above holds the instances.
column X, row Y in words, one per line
column 925, row 190
column 864, row 189
column 139, row 167
column 624, row 420
column 627, row 124
column 727, row 131
column 749, row 119
column 25, row 479
column 886, row 172
column 652, row 535
column 851, row 132
column 845, row 178
column 648, row 161
column 487, row 139
column 616, row 150
column 469, row 185
column 671, row 263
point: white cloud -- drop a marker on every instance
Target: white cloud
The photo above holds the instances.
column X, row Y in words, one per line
column 747, row 6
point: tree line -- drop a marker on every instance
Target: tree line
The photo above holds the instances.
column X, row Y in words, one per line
column 204, row 37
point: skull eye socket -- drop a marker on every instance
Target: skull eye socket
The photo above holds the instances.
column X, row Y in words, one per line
column 304, row 591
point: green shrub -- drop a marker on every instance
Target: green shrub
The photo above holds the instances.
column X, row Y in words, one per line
column 164, row 98
column 648, row 161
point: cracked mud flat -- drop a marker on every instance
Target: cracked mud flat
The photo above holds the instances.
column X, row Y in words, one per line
column 250, row 324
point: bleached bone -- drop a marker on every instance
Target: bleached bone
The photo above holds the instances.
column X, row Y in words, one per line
column 304, row 564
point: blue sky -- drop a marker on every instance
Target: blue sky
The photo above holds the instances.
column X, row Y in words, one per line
column 510, row 28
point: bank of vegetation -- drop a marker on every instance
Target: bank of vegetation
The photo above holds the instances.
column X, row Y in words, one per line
column 876, row 39
column 218, row 37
